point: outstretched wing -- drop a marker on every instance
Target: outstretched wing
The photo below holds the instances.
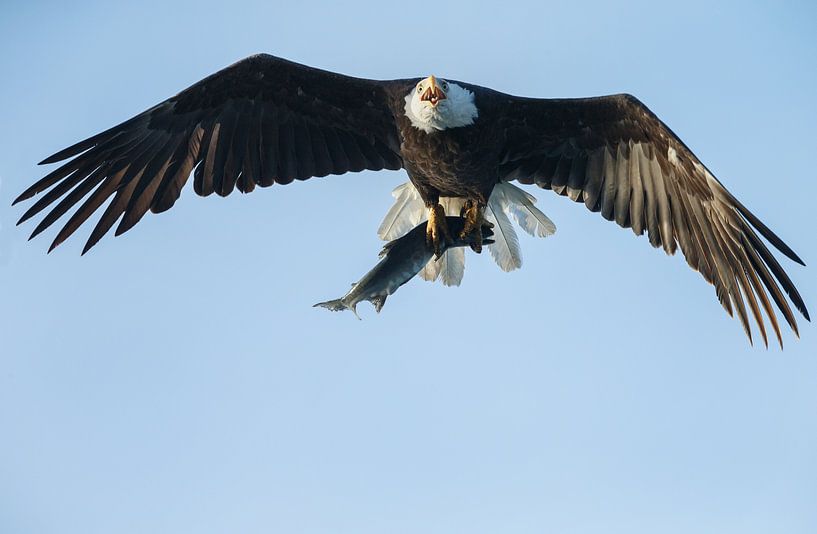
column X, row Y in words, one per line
column 261, row 121
column 614, row 155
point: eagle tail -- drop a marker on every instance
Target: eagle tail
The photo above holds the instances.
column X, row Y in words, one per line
column 507, row 201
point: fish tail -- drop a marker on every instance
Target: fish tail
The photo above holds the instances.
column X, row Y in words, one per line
column 334, row 305
column 337, row 305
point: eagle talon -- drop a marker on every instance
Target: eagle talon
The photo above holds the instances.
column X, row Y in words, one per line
column 437, row 230
column 474, row 222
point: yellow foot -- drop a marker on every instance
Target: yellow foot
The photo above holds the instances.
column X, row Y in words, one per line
column 437, row 230
column 474, row 221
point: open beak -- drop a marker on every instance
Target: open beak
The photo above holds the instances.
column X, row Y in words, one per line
column 433, row 92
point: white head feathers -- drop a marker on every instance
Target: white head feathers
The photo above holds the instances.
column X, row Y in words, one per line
column 436, row 104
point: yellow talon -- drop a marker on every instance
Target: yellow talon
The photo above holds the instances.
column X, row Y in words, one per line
column 474, row 221
column 437, row 229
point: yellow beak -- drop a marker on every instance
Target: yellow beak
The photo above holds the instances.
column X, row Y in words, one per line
column 432, row 93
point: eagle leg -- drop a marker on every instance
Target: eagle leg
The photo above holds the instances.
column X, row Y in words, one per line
column 474, row 213
column 437, row 229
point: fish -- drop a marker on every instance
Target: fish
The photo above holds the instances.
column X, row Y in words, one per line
column 401, row 260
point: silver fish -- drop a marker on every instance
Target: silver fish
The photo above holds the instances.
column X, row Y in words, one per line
column 401, row 260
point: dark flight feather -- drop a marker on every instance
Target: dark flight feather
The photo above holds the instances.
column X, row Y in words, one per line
column 638, row 173
column 259, row 121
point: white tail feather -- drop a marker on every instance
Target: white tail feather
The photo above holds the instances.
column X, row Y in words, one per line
column 452, row 264
column 431, row 271
column 519, row 204
column 407, row 212
column 505, row 249
column 450, row 268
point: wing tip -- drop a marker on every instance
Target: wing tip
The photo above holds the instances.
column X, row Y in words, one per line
column 53, row 158
column 792, row 255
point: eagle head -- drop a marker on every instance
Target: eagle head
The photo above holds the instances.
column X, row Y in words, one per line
column 436, row 104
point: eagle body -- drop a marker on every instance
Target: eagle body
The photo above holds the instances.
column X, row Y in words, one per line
column 266, row 120
column 459, row 162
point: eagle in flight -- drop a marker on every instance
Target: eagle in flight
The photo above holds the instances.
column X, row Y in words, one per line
column 266, row 120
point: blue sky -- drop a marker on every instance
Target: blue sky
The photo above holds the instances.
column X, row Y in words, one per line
column 177, row 379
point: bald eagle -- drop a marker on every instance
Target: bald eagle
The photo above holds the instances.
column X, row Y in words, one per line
column 267, row 120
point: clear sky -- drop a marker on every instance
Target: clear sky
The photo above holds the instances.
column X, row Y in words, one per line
column 176, row 379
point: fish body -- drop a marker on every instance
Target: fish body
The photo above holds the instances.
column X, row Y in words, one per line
column 401, row 260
